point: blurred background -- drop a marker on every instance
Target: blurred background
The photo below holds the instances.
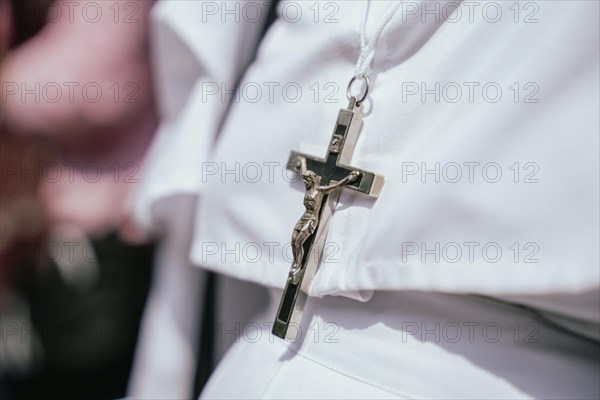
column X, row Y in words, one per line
column 87, row 307
column 75, row 120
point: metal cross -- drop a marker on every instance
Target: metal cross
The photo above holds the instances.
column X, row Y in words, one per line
column 323, row 178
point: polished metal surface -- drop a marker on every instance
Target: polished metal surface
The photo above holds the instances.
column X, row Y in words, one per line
column 323, row 179
column 366, row 82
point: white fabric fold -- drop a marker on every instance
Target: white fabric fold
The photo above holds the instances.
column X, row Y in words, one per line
column 193, row 55
column 434, row 105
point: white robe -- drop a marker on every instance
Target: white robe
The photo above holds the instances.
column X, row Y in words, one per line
column 505, row 95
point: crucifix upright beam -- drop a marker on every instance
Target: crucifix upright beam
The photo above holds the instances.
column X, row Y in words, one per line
column 323, row 178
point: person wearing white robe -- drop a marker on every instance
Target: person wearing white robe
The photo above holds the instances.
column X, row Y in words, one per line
column 475, row 273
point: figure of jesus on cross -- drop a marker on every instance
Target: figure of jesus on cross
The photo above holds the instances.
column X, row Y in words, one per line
column 313, row 200
column 323, row 178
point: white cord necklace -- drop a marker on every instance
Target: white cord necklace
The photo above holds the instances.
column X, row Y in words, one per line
column 323, row 179
column 367, row 47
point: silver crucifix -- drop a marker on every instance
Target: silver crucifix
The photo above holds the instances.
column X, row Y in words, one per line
column 323, row 179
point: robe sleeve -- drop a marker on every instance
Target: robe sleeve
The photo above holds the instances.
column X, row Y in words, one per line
column 199, row 52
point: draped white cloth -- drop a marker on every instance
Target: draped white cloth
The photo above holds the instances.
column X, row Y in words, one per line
column 483, row 118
